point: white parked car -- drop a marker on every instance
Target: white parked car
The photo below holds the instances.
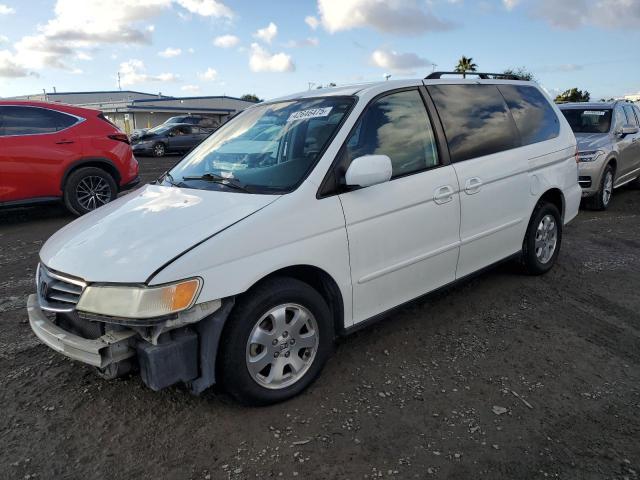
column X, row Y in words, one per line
column 244, row 262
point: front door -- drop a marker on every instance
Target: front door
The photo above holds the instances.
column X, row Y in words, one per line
column 403, row 234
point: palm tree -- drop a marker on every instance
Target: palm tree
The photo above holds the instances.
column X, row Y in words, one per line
column 466, row 65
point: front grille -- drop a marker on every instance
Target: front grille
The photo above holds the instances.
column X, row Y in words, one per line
column 57, row 292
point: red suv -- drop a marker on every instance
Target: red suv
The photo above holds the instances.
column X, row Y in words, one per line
column 51, row 151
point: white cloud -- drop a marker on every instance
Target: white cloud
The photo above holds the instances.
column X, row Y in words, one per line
column 226, row 41
column 260, row 60
column 133, row 72
column 170, row 52
column 510, row 4
column 190, row 88
column 398, row 62
column 209, row 75
column 9, row 67
column 312, row 21
column 191, row 50
column 84, row 56
column 4, row 39
column 570, row 14
column 6, row 10
column 403, row 17
column 206, row 8
column 307, row 42
column 267, row 33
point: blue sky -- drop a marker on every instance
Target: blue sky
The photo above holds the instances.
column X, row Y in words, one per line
column 170, row 46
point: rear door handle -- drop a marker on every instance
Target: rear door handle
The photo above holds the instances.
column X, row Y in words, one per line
column 64, row 142
column 443, row 194
column 473, row 185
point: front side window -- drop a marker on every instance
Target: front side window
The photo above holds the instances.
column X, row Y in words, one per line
column 475, row 119
column 631, row 117
column 534, row 117
column 588, row 120
column 268, row 148
column 396, row 125
column 16, row 120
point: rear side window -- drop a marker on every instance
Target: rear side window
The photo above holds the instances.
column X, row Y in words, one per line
column 535, row 118
column 631, row 116
column 476, row 120
column 32, row 121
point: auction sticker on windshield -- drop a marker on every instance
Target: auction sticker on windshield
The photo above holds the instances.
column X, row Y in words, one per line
column 310, row 113
column 594, row 112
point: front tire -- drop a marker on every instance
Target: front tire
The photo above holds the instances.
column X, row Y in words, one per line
column 87, row 189
column 602, row 199
column 276, row 341
column 542, row 242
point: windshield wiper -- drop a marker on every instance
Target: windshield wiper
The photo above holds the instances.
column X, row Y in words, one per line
column 212, row 177
column 167, row 176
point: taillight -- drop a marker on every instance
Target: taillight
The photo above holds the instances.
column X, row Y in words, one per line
column 120, row 137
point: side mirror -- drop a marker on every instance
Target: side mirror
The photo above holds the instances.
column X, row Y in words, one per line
column 629, row 130
column 369, row 170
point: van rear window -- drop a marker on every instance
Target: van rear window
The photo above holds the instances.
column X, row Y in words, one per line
column 476, row 120
column 535, row 118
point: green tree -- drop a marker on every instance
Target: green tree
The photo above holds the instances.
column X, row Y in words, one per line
column 520, row 72
column 250, row 97
column 573, row 95
column 466, row 65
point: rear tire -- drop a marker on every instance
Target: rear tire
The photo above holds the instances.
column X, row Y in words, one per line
column 542, row 242
column 87, row 189
column 276, row 341
column 602, row 199
column 159, row 150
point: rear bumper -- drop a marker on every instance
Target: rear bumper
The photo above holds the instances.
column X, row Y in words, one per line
column 110, row 348
column 131, row 184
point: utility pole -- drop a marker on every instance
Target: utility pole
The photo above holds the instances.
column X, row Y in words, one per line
column 119, row 87
column 433, row 67
column 311, row 84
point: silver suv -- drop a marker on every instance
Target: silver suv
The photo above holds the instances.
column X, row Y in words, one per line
column 608, row 137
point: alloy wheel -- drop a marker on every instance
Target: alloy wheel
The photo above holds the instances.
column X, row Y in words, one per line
column 93, row 192
column 607, row 188
column 282, row 346
column 546, row 239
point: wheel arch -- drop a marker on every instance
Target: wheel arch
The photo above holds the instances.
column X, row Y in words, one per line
column 320, row 281
column 555, row 197
column 98, row 162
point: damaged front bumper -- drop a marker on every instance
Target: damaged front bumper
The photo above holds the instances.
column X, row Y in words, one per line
column 181, row 349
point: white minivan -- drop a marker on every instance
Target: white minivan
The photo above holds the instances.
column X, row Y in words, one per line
column 305, row 218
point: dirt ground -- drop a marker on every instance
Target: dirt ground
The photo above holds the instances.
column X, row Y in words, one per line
column 505, row 376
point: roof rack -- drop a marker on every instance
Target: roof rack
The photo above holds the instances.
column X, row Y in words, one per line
column 481, row 75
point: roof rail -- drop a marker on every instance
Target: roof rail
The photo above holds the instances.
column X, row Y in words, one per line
column 481, row 75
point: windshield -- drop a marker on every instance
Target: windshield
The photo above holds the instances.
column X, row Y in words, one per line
column 174, row 120
column 588, row 120
column 267, row 148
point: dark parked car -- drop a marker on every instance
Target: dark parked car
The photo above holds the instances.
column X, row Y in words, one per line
column 169, row 138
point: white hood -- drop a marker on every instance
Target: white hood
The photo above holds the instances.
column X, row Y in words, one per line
column 129, row 239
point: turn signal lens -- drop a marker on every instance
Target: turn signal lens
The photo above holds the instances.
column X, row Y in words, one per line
column 179, row 296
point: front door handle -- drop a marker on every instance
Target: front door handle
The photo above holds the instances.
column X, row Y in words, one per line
column 473, row 185
column 64, row 142
column 443, row 195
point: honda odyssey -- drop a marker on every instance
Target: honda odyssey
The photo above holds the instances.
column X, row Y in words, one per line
column 305, row 218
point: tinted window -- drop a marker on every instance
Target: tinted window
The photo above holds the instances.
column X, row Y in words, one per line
column 534, row 117
column 32, row 120
column 588, row 120
column 631, row 117
column 476, row 120
column 621, row 118
column 396, row 125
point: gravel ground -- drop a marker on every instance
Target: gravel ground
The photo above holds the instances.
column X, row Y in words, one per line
column 504, row 376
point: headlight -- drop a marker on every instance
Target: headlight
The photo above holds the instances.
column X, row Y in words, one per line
column 139, row 301
column 589, row 156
